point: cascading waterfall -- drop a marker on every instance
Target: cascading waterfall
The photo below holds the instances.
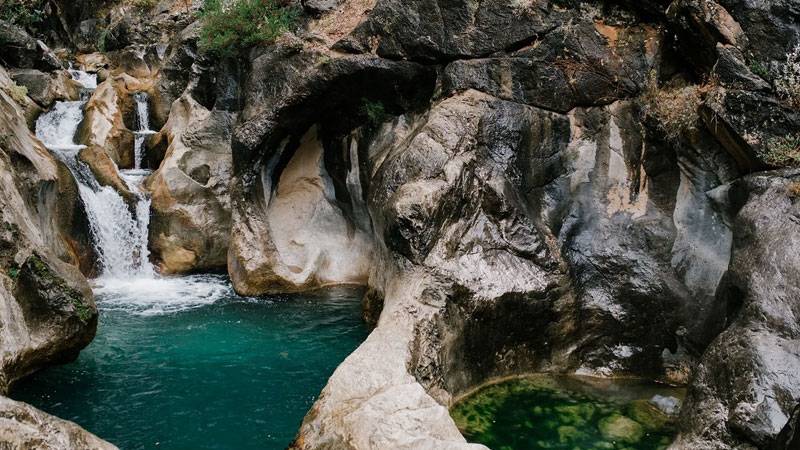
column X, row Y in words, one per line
column 143, row 123
column 120, row 237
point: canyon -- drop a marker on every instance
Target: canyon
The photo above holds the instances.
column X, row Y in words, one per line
column 608, row 189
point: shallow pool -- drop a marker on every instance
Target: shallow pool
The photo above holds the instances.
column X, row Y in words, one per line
column 186, row 364
column 546, row 412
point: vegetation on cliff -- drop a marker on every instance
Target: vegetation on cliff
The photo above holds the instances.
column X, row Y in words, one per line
column 230, row 27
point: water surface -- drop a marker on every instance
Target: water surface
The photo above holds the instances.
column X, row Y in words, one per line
column 184, row 363
column 546, row 412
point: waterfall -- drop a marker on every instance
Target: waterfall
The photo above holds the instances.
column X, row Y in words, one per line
column 143, row 123
column 120, row 236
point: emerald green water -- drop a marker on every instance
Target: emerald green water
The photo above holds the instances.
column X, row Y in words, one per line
column 193, row 366
column 544, row 412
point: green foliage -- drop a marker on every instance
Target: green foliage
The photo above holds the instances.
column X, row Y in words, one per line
column 102, row 39
column 23, row 13
column 759, row 69
column 783, row 151
column 13, row 272
column 235, row 25
column 144, row 4
column 375, row 112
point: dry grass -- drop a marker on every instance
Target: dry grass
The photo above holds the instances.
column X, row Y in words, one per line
column 675, row 108
column 793, row 189
column 787, row 80
column 783, row 151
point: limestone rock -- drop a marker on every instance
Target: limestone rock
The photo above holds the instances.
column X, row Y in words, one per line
column 190, row 227
column 22, row 51
column 25, row 427
column 47, row 313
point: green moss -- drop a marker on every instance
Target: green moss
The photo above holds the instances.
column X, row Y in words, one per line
column 374, row 111
column 229, row 27
column 47, row 278
column 18, row 93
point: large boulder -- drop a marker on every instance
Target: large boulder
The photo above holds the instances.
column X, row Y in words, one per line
column 190, row 226
column 21, row 50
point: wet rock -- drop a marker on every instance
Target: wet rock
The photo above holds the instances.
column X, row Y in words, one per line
column 190, row 227
column 621, row 428
column 23, row 426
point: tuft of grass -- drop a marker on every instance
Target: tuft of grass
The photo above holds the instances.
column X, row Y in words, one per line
column 374, row 111
column 783, row 151
column 793, row 189
column 18, row 93
column 231, row 26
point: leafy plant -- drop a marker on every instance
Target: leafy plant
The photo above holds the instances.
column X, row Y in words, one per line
column 787, row 80
column 229, row 27
column 759, row 69
column 23, row 13
column 375, row 112
column 13, row 272
column 783, row 151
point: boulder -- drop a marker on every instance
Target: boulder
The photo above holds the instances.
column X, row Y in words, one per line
column 23, row 426
column 22, row 51
column 45, row 89
column 190, row 224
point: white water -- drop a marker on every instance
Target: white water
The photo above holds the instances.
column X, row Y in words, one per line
column 143, row 123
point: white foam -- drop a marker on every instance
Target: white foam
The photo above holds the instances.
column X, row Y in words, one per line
column 161, row 295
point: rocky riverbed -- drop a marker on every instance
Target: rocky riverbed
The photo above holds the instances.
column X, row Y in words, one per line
column 600, row 188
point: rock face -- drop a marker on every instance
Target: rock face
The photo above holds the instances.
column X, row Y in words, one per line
column 525, row 201
column 22, row 427
column 48, row 313
column 746, row 386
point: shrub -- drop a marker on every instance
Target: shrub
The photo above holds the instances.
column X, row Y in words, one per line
column 759, row 69
column 782, row 151
column 23, row 13
column 234, row 25
column 787, row 80
column 144, row 4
